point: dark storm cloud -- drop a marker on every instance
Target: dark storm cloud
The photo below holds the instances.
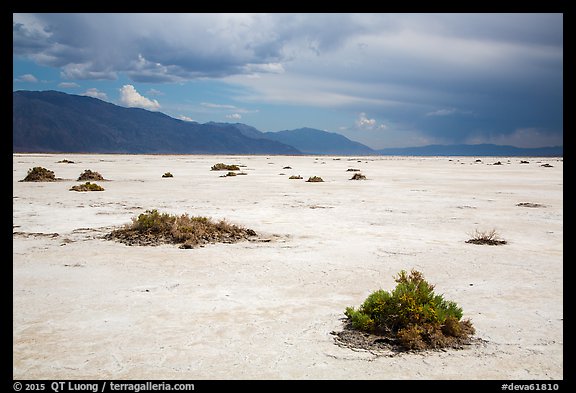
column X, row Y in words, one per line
column 169, row 47
column 27, row 41
column 480, row 74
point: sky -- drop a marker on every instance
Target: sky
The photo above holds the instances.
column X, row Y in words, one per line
column 385, row 80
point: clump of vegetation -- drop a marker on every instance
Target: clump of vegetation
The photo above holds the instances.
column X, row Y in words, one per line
column 497, row 163
column 87, row 187
column 39, row 173
column 411, row 316
column 524, row 162
column 352, row 170
column 547, row 165
column 154, row 228
column 297, row 177
column 224, row 167
column 234, row 174
column 358, row 176
column 287, row 167
column 167, row 174
column 65, row 161
column 491, row 238
column 314, row 179
column 89, row 175
column 529, row 204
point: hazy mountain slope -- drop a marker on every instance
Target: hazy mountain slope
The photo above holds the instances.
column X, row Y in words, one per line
column 312, row 141
column 51, row 121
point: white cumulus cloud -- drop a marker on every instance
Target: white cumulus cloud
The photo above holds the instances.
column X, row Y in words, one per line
column 365, row 122
column 27, row 78
column 234, row 116
column 132, row 99
column 95, row 93
column 185, row 118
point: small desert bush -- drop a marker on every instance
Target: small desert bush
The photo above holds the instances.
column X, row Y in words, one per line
column 89, row 175
column 65, row 161
column 153, row 227
column 529, row 204
column 314, row 179
column 225, row 167
column 87, row 187
column 295, row 177
column 490, row 237
column 229, row 174
column 412, row 315
column 39, row 173
column 167, row 174
column 358, row 176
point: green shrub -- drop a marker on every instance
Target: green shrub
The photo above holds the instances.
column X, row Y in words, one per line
column 225, row 167
column 87, row 187
column 412, row 314
column 39, row 173
column 152, row 221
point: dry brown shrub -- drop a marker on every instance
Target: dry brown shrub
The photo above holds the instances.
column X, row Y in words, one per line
column 358, row 176
column 490, row 237
column 90, row 175
column 154, row 228
column 39, row 173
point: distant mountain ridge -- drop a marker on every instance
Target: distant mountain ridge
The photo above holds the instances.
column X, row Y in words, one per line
column 312, row 141
column 307, row 140
column 52, row 121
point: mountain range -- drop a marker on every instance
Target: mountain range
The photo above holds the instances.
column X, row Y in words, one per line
column 52, row 121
